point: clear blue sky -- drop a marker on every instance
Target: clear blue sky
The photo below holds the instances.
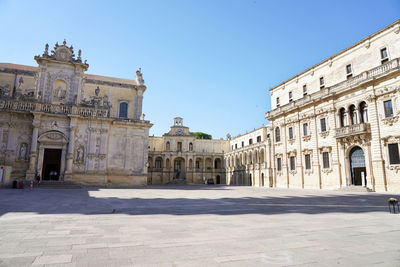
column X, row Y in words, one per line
column 210, row 62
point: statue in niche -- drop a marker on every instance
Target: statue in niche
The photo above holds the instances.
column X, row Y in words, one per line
column 79, row 154
column 59, row 93
column 23, row 155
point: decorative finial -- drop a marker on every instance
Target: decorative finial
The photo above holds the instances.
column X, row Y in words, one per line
column 57, row 44
column 79, row 54
column 65, row 42
column 46, row 50
column 85, row 61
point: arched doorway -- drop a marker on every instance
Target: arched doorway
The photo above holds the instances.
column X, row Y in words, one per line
column 357, row 167
column 179, row 168
column 218, row 179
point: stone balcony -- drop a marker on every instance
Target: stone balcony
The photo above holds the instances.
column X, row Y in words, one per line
column 7, row 104
column 364, row 77
column 351, row 130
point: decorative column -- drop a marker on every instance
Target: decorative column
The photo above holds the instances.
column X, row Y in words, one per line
column 70, row 153
column 30, row 174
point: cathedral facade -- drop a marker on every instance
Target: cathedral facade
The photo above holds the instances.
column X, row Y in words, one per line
column 59, row 123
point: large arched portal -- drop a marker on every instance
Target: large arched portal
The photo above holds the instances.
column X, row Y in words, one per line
column 357, row 167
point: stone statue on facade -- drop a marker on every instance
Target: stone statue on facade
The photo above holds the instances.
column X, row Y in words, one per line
column 79, row 154
column 139, row 77
column 46, row 50
column 23, row 151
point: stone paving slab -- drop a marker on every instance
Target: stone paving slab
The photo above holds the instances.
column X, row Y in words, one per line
column 196, row 226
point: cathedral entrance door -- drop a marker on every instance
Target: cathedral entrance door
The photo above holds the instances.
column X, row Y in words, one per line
column 357, row 167
column 51, row 164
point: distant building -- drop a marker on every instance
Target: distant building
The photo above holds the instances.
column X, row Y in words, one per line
column 179, row 155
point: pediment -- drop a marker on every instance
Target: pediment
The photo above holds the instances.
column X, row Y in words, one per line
column 53, row 137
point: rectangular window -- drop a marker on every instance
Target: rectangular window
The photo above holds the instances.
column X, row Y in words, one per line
column 292, row 163
column 258, row 139
column 323, row 125
column 349, row 71
column 242, row 143
column 279, row 164
column 250, row 141
column 123, row 110
column 290, row 96
column 290, row 133
column 321, row 83
column 235, row 146
column 325, row 160
column 388, row 108
column 277, row 102
column 305, row 129
column 384, row 55
column 304, row 90
column 394, row 157
column 307, row 159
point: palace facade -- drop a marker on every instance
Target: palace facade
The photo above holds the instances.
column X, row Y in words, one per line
column 178, row 155
column 333, row 125
column 60, row 123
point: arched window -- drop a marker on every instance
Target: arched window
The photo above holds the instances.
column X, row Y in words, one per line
column 342, row 117
column 363, row 112
column 190, row 147
column 277, row 134
column 353, row 115
column 123, row 110
column 167, row 146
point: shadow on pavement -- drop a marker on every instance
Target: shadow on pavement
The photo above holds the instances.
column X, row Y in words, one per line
column 85, row 201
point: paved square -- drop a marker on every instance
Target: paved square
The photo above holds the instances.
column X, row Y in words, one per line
column 196, row 226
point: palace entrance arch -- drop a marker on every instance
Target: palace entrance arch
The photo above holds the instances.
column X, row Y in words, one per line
column 357, row 166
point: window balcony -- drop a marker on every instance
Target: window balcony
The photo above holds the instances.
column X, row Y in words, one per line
column 350, row 130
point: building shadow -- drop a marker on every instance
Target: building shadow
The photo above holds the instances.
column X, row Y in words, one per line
column 92, row 201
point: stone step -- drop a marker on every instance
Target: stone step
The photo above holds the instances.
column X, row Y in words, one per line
column 57, row 184
column 356, row 188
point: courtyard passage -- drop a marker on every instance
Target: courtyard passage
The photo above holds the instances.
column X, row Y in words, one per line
column 196, row 226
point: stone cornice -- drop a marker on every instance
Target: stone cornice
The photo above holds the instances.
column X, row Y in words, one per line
column 329, row 92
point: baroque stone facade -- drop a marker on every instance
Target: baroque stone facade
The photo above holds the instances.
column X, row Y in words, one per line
column 63, row 124
column 331, row 126
column 178, row 155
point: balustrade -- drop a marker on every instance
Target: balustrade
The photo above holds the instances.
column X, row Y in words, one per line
column 339, row 87
column 355, row 129
column 16, row 105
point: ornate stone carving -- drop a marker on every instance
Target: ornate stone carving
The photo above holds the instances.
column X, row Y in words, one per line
column 306, row 138
column 324, row 134
column 390, row 120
